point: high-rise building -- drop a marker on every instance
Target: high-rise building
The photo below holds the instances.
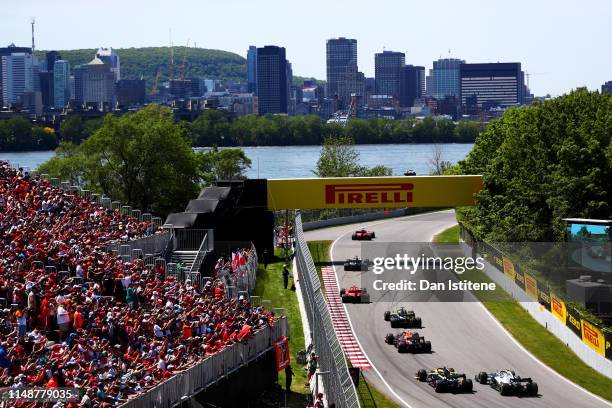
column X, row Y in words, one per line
column 443, row 79
column 607, row 88
column 46, row 78
column 387, row 72
column 272, row 80
column 131, row 92
column 6, row 51
column 412, row 84
column 492, row 84
column 95, row 84
column 341, row 56
column 351, row 83
column 252, row 69
column 61, row 83
column 110, row 57
column 19, row 75
column 50, row 59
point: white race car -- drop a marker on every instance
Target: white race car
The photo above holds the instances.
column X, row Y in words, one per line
column 508, row 383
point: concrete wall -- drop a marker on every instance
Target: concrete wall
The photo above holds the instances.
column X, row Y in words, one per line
column 547, row 319
column 362, row 218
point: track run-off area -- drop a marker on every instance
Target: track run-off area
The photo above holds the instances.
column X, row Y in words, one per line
column 463, row 335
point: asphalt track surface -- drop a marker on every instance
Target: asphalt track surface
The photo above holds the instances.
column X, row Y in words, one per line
column 463, row 334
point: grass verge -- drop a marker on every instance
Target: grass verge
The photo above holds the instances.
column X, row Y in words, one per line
column 369, row 396
column 527, row 331
column 270, row 286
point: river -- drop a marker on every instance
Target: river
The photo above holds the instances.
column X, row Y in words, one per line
column 299, row 161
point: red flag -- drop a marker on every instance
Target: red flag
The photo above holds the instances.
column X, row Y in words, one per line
column 242, row 260
column 235, row 262
column 281, row 348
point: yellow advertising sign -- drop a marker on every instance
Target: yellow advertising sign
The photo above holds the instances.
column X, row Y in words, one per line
column 531, row 286
column 373, row 192
column 557, row 307
column 593, row 337
column 509, row 268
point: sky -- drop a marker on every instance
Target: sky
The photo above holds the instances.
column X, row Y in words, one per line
column 563, row 44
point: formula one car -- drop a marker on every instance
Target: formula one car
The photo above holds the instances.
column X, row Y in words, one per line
column 445, row 380
column 402, row 318
column 356, row 264
column 408, row 342
column 354, row 294
column 410, row 172
column 363, row 235
column 508, row 383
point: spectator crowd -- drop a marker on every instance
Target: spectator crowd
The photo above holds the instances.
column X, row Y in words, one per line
column 108, row 326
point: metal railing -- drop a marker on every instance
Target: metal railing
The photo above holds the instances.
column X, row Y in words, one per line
column 338, row 385
column 198, row 378
column 153, row 244
column 205, row 247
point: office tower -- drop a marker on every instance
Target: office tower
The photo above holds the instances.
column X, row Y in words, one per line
column 351, row 83
column 6, row 51
column 493, row 84
column 387, row 72
column 61, row 83
column 110, row 57
column 19, row 75
column 95, row 84
column 50, row 59
column 272, row 79
column 252, row 69
column 412, row 84
column 607, row 88
column 443, row 79
column 131, row 92
column 341, row 55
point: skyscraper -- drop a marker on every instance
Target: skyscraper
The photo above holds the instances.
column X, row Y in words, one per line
column 387, row 72
column 272, row 80
column 412, row 84
column 110, row 57
column 5, row 51
column 252, row 69
column 61, row 83
column 496, row 84
column 341, row 56
column 607, row 88
column 19, row 75
column 443, row 79
column 352, row 82
column 95, row 84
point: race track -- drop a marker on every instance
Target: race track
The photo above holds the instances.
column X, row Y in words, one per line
column 463, row 335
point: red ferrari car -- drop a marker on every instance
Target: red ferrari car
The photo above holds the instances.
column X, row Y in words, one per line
column 363, row 235
column 354, row 294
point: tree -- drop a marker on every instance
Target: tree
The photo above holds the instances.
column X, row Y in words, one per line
column 224, row 164
column 540, row 164
column 339, row 158
column 437, row 164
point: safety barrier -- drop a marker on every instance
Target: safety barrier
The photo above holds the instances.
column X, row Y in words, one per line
column 198, row 378
column 590, row 341
column 153, row 244
column 338, row 385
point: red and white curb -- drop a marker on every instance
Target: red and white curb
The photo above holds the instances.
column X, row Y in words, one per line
column 340, row 321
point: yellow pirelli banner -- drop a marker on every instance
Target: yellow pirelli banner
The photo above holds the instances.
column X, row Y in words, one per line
column 531, row 286
column 557, row 308
column 509, row 268
column 593, row 337
column 373, row 192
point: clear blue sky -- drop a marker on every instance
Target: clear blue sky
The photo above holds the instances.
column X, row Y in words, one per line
column 564, row 44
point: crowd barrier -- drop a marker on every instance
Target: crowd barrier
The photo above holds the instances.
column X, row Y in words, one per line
column 198, row 378
column 338, row 385
column 566, row 322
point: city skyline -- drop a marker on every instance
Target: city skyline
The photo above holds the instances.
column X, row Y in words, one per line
column 548, row 41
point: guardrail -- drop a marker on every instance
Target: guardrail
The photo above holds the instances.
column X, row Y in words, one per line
column 338, row 385
column 153, row 244
column 198, row 378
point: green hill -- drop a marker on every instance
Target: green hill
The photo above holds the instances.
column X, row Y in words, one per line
column 144, row 62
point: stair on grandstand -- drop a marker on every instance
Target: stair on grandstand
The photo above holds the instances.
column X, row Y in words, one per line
column 186, row 258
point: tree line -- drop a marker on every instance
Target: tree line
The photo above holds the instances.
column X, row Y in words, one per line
column 18, row 135
column 213, row 127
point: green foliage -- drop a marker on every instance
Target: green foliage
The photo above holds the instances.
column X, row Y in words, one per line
column 146, row 61
column 18, row 134
column 339, row 158
column 540, row 164
column 214, row 128
column 74, row 129
column 224, row 164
